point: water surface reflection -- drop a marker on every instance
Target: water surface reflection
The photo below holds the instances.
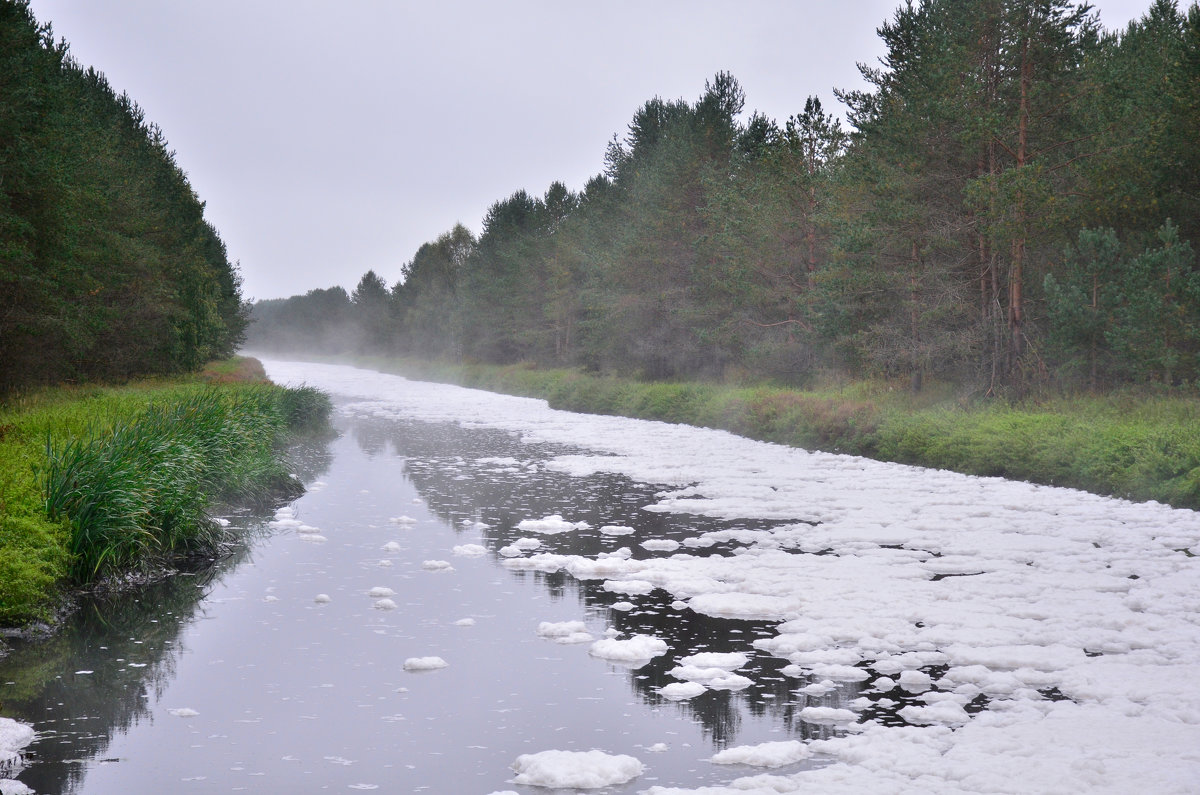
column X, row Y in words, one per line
column 236, row 678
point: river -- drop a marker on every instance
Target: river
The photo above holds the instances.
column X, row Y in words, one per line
column 473, row 581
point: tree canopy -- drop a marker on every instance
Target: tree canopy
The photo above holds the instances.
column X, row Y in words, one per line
column 108, row 268
column 1012, row 202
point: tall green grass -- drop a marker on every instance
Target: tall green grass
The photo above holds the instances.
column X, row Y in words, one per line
column 137, row 494
column 97, row 481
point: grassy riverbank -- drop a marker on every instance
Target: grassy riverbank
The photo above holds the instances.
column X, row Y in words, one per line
column 103, row 481
column 1141, row 447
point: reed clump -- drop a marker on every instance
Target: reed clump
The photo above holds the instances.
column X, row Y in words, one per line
column 97, row 482
column 137, row 494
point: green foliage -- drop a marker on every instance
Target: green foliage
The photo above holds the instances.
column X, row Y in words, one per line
column 95, row 482
column 138, row 493
column 1128, row 317
column 107, row 266
column 923, row 242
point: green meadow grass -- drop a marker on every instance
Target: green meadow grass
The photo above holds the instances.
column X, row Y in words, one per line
column 103, row 481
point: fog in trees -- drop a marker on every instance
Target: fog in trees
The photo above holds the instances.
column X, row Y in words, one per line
column 1011, row 203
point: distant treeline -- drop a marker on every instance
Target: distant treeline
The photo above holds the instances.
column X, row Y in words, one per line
column 1013, row 204
column 107, row 266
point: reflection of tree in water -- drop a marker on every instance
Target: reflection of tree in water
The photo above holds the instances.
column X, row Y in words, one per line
column 494, row 477
column 129, row 643
column 687, row 632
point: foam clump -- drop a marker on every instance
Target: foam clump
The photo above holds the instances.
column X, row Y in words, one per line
column 730, row 661
column 772, row 754
column 660, row 545
column 765, row 607
column 384, row 604
column 616, row 530
column 391, row 546
column 465, row 622
column 549, row 525
column 559, row 629
column 13, row 737
column 469, row 550
column 285, row 518
column 829, row 716
column 946, row 713
column 424, row 663
column 565, row 631
column 380, row 591
column 183, row 712
column 639, row 648
column 579, row 769
column 402, row 520
column 322, row 599
column 678, row 691
column 437, row 565
column 629, row 586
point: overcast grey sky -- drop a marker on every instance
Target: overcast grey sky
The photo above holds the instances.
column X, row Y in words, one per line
column 329, row 138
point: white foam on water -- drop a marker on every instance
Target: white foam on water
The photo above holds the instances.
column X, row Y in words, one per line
column 437, row 565
column 550, row 525
column 183, row 712
column 1013, row 588
column 469, row 550
column 639, row 648
column 380, row 591
column 730, row 661
column 770, row 754
column 13, row 737
column 579, row 769
column 560, row 629
column 678, row 691
column 424, row 663
column 660, row 545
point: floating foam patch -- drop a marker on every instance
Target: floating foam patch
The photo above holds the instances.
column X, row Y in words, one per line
column 550, row 525
column 772, row 754
column 579, row 769
column 424, row 663
column 639, row 648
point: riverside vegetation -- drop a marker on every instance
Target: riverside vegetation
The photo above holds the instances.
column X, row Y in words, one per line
column 98, row 483
column 1134, row 445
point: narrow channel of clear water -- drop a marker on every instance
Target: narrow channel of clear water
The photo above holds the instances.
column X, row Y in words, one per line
column 242, row 678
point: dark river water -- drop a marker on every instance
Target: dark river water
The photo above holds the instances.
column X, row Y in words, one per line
column 244, row 677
